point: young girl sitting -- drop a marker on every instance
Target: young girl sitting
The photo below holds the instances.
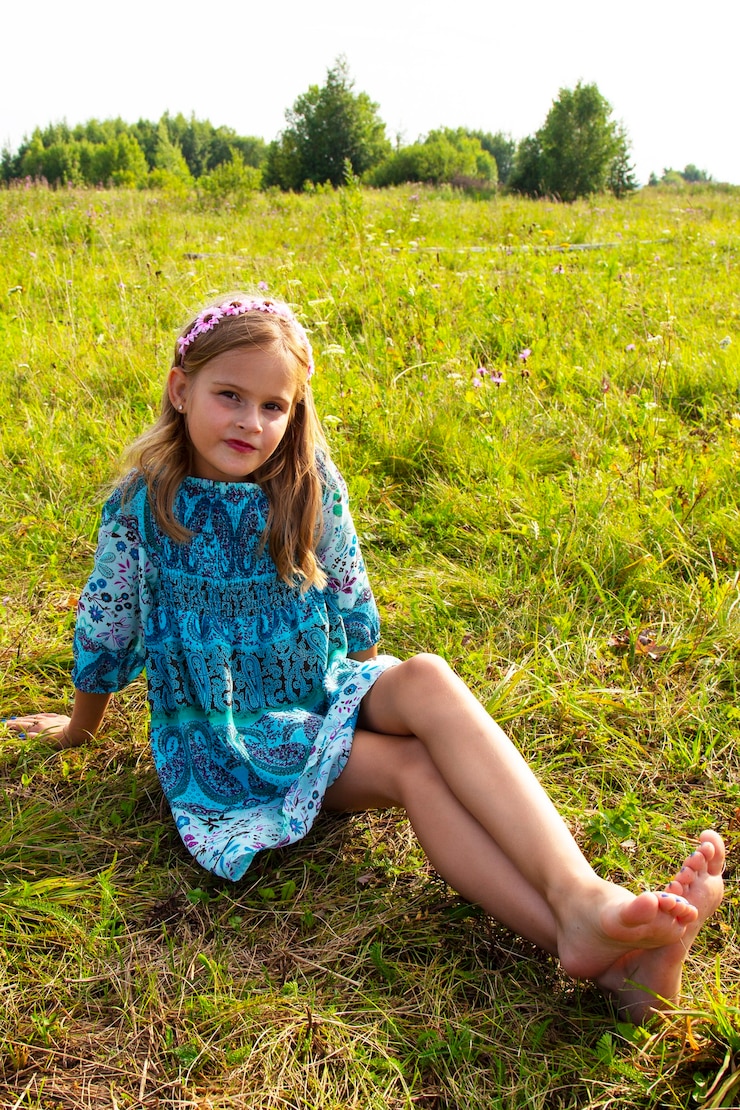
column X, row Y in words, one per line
column 228, row 565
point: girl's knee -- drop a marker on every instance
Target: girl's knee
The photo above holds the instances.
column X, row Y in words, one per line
column 427, row 670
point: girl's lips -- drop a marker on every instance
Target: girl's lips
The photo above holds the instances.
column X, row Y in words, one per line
column 238, row 445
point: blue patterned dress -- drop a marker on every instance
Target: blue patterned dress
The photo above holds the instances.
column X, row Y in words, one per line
column 253, row 699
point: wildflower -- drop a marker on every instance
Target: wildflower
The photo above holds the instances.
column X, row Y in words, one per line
column 559, row 269
column 477, row 383
column 482, row 372
column 262, row 285
column 525, row 354
column 497, row 377
column 725, row 343
column 630, row 347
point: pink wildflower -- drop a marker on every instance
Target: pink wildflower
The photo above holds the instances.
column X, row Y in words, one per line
column 525, row 354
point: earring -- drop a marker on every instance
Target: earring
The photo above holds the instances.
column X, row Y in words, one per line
column 179, row 408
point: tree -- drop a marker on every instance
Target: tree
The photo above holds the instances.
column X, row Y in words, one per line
column 119, row 161
column 502, row 148
column 113, row 152
column 620, row 178
column 677, row 179
column 693, row 174
column 446, row 155
column 528, row 170
column 579, row 150
column 328, row 126
column 231, row 183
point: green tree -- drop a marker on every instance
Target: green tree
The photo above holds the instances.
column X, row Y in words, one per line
column 621, row 178
column 693, row 174
column 528, row 169
column 29, row 162
column 328, row 126
column 119, row 161
column 445, row 155
column 502, row 147
column 170, row 168
column 230, row 183
column 579, row 150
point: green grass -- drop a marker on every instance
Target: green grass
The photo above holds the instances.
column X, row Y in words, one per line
column 527, row 531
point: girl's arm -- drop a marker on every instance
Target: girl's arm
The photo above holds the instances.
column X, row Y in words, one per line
column 339, row 554
column 109, row 649
column 361, row 656
column 69, row 732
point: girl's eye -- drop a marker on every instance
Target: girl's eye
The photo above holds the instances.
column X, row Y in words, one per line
column 230, row 394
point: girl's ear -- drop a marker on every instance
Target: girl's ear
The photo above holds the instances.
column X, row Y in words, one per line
column 177, row 388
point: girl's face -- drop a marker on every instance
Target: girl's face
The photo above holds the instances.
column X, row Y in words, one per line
column 237, row 409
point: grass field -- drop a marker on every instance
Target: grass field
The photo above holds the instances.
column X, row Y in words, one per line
column 562, row 525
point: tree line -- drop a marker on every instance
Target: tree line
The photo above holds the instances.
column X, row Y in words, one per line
column 119, row 153
column 333, row 132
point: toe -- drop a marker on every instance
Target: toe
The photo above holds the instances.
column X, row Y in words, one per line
column 670, row 902
column 695, row 864
column 713, row 848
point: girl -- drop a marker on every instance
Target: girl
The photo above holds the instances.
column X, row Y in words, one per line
column 228, row 565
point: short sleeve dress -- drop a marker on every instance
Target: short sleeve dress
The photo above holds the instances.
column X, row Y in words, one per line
column 253, row 698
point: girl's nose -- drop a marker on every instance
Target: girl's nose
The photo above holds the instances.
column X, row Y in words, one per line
column 249, row 418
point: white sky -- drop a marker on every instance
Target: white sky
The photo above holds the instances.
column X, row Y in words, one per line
column 668, row 67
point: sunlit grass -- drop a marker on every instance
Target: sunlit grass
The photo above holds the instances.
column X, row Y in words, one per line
column 569, row 539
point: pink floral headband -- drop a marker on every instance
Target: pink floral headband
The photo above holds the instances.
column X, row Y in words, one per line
column 209, row 317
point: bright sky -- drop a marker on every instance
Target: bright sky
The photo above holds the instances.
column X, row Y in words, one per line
column 668, row 67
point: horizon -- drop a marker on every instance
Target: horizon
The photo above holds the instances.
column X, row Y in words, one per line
column 667, row 75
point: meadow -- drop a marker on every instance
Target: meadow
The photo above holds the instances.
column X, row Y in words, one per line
column 537, row 410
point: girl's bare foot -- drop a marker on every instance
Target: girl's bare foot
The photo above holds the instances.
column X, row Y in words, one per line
column 608, row 923
column 649, row 979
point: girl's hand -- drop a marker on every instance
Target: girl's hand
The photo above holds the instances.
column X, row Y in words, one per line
column 66, row 732
column 52, row 726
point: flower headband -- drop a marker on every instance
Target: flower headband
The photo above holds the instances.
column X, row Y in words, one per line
column 209, row 318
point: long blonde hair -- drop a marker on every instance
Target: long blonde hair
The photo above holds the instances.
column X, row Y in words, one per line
column 163, row 455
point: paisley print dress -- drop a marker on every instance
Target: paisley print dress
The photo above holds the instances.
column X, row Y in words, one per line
column 253, row 698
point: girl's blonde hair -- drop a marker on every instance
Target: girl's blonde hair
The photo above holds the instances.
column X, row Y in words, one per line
column 290, row 478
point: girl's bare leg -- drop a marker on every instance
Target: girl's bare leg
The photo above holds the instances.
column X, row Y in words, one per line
column 397, row 771
column 596, row 923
